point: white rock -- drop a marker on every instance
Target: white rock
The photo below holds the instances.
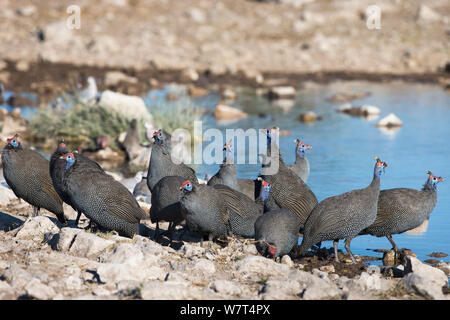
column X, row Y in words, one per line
column 390, row 120
column 225, row 112
column 6, row 291
column 204, row 266
column 287, row 261
column 174, row 290
column 73, row 282
column 189, row 74
column 282, row 92
column 196, row 14
column 16, row 276
column 426, row 14
column 370, row 110
column 226, row 287
column 130, row 106
column 327, row 268
column 36, row 289
column 281, row 290
column 6, row 196
column 112, row 78
column 80, row 243
column 37, row 227
column 228, row 94
column 424, row 279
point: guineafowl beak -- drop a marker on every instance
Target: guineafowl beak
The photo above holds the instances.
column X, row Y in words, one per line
column 440, row 179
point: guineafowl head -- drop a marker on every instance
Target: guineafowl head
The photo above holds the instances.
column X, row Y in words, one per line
column 301, row 147
column 186, row 186
column 157, row 135
column 379, row 167
column 14, row 141
column 266, row 249
column 266, row 187
column 70, row 159
column 432, row 181
column 61, row 145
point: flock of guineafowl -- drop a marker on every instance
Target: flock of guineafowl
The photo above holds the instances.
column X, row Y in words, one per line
column 273, row 209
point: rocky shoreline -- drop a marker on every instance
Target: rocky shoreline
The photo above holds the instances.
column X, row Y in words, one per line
column 42, row 259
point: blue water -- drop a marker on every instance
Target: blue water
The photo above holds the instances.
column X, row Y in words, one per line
column 344, row 147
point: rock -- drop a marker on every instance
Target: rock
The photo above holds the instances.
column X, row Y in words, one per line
column 225, row 112
column 36, row 228
column 128, row 263
column 389, row 258
column 228, row 94
column 287, row 261
column 196, row 92
column 79, row 242
column 6, row 291
column 129, row 106
column 362, row 111
column 174, row 290
column 444, row 267
column 73, row 282
column 308, row 117
column 22, row 66
column 437, row 254
column 257, row 265
column 281, row 290
column 282, row 92
column 227, row 287
column 204, row 266
column 389, row 121
column 38, row 290
column 190, row 251
column 16, row 114
column 189, row 74
column 17, row 277
column 327, row 268
column 6, row 196
column 424, row 279
column 345, row 97
column 197, row 15
column 113, row 78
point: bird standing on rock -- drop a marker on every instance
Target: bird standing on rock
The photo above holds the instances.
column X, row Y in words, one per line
column 105, row 201
column 301, row 165
column 403, row 209
column 343, row 216
column 27, row 173
column 161, row 164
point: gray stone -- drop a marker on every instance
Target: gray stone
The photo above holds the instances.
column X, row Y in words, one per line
column 414, row 265
column 174, row 290
column 281, row 290
column 36, row 228
column 6, row 196
column 16, row 276
column 6, row 291
column 190, row 251
column 79, row 242
column 227, row 287
column 36, row 289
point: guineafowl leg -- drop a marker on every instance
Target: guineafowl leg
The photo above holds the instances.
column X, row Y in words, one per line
column 394, row 246
column 171, row 230
column 335, row 244
column 156, row 232
column 77, row 220
column 347, row 247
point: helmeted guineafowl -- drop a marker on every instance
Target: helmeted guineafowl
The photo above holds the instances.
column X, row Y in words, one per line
column 343, row 216
column 166, row 203
column 301, row 165
column 205, row 210
column 161, row 164
column 403, row 209
column 27, row 173
column 58, row 168
column 101, row 198
column 276, row 232
column 242, row 210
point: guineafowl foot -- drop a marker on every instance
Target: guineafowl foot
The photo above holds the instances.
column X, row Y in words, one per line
column 35, row 211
